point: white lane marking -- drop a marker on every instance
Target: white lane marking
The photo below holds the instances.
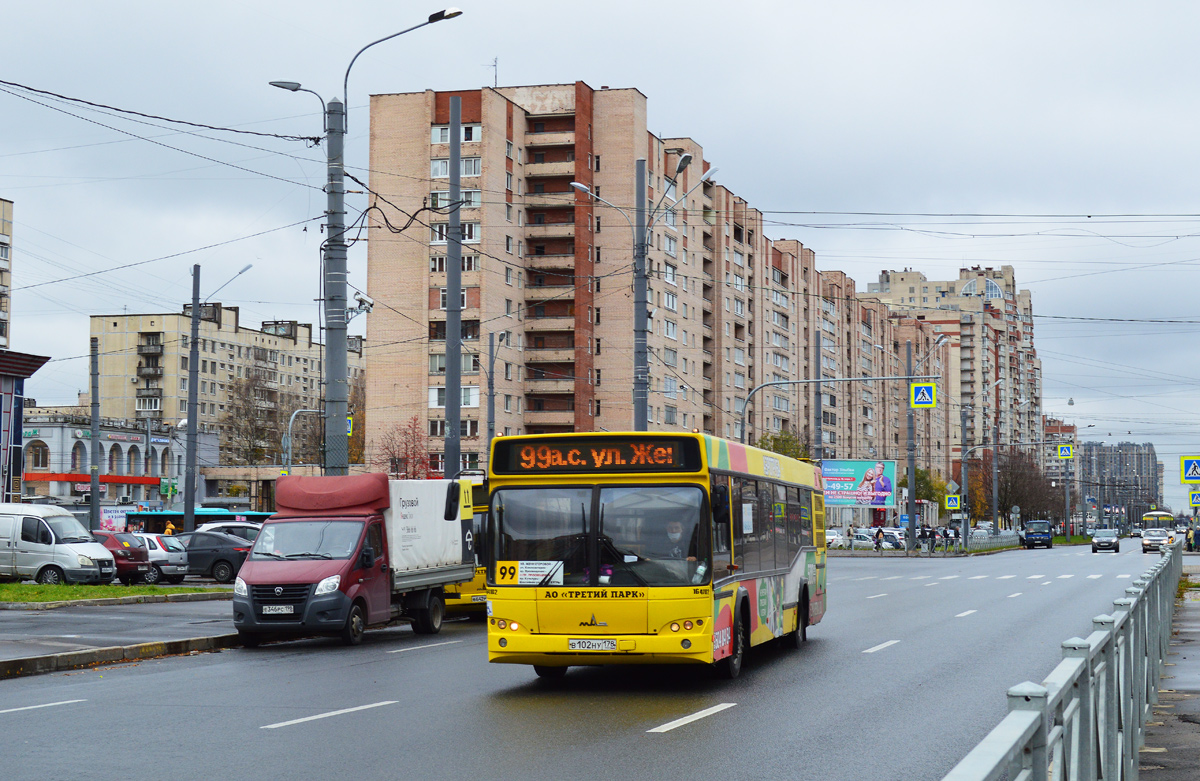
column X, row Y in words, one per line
column 977, row 577
column 880, row 647
column 1122, row 576
column 868, row 577
column 922, row 577
column 948, row 577
column 931, row 584
column 1006, row 577
column 670, row 725
column 419, row 647
column 893, row 577
column 47, row 705
column 1064, row 577
column 876, row 596
column 1010, row 596
column 1035, row 577
column 330, row 713
column 1094, row 577
column 1048, row 582
column 965, row 613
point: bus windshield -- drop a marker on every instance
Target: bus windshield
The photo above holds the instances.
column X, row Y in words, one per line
column 634, row 535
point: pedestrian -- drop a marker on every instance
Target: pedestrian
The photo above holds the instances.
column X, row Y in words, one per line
column 170, row 527
column 1191, row 539
column 879, row 539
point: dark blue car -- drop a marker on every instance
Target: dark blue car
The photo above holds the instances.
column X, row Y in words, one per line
column 1039, row 533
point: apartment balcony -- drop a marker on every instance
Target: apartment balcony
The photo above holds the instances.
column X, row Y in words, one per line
column 550, row 200
column 564, row 168
column 549, row 385
column 150, row 349
column 149, row 414
column 549, row 354
column 149, row 393
column 548, row 292
column 556, row 230
column 150, row 371
column 549, row 418
column 550, row 262
column 549, row 324
column 557, row 138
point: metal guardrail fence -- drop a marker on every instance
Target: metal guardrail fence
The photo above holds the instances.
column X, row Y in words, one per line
column 985, row 542
column 978, row 543
column 1087, row 719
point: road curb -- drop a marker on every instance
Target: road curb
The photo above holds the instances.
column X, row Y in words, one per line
column 72, row 660
column 133, row 600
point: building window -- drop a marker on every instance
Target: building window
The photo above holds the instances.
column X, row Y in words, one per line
column 508, row 244
column 669, row 245
column 670, row 301
column 440, row 134
column 37, row 455
column 669, row 273
column 440, row 199
column 462, row 298
column 439, row 167
column 670, row 329
column 439, row 232
column 470, row 397
column 437, row 265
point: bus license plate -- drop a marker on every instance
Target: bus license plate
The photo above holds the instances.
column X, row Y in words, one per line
column 478, row 598
column 592, row 644
column 276, row 609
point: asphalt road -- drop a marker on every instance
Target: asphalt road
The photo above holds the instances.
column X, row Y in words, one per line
column 906, row 673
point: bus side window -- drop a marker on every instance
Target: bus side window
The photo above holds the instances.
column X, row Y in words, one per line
column 745, row 508
column 806, row 517
column 779, row 526
column 793, row 523
column 719, row 502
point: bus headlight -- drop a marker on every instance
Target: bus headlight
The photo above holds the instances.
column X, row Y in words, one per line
column 687, row 625
column 674, row 626
column 514, row 626
column 501, row 623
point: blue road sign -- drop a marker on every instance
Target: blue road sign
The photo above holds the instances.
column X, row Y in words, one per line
column 953, row 501
column 1189, row 470
column 923, row 395
column 1195, row 498
column 1066, row 451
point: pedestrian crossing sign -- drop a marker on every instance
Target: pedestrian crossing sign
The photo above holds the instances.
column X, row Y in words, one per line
column 1189, row 469
column 1066, row 451
column 923, row 395
column 1195, row 498
column 953, row 502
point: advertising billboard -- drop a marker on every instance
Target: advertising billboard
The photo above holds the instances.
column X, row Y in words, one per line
column 859, row 483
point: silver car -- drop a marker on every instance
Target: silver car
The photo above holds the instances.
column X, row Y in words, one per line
column 168, row 559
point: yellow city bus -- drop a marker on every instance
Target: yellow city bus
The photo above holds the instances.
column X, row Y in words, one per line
column 469, row 598
column 641, row 548
column 1159, row 519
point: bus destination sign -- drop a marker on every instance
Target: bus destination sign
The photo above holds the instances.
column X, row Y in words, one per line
column 585, row 455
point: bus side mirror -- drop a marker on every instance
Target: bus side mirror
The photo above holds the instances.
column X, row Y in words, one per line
column 452, row 497
column 720, row 504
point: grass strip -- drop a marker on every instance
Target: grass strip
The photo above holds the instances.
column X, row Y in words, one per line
column 33, row 592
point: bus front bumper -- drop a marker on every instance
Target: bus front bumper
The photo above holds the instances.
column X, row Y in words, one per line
column 556, row 651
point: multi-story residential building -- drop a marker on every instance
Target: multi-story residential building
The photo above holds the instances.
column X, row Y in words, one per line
column 1126, row 475
column 144, row 367
column 548, row 270
column 6, row 238
column 993, row 365
column 1058, row 433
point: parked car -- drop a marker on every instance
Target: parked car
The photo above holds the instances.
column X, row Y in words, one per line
column 834, row 539
column 244, row 529
column 893, row 538
column 215, row 555
column 168, row 558
column 130, row 554
column 1154, row 539
column 863, row 540
column 1106, row 539
column 46, row 544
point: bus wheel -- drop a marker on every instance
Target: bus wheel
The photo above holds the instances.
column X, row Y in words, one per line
column 549, row 673
column 731, row 666
column 800, row 636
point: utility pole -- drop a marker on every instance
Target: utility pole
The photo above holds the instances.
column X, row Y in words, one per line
column 337, row 395
column 641, row 356
column 453, row 457
column 964, row 526
column 995, row 476
column 94, row 472
column 189, row 477
column 1066, row 499
column 819, row 447
column 912, row 454
column 491, row 392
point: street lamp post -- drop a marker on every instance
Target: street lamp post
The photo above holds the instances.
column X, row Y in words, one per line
column 912, row 440
column 337, row 391
column 643, row 222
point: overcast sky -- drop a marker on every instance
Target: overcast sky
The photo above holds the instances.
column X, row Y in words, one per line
column 1022, row 118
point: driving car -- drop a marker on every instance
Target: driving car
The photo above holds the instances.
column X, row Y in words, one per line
column 1135, row 532
column 129, row 554
column 244, row 529
column 1037, row 533
column 1106, row 539
column 1154, row 539
column 215, row 555
column 168, row 559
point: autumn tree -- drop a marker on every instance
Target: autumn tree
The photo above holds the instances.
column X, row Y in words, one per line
column 358, row 413
column 402, row 451
column 785, row 443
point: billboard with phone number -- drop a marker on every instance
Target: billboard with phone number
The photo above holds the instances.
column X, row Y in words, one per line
column 859, row 483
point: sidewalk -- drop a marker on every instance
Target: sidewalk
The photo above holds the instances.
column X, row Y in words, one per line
column 1172, row 750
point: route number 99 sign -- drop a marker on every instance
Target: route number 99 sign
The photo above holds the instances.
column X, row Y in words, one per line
column 580, row 455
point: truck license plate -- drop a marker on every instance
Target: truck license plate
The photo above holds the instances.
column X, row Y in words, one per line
column 276, row 609
column 592, row 644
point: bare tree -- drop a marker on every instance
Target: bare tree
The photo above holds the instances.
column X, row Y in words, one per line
column 358, row 412
column 251, row 421
column 402, row 451
column 307, row 430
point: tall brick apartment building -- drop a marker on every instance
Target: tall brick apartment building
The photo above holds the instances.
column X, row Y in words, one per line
column 551, row 271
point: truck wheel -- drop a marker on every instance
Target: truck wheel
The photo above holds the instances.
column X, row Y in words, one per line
column 249, row 640
column 428, row 621
column 356, row 625
column 153, row 576
column 549, row 673
column 50, row 576
column 222, row 572
column 731, row 666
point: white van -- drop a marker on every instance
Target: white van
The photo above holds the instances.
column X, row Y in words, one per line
column 45, row 543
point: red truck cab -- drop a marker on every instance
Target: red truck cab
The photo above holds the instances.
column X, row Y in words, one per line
column 321, row 565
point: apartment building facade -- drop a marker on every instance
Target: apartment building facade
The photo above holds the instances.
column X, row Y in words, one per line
column 6, row 240
column 144, row 367
column 1125, row 475
column 994, row 370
